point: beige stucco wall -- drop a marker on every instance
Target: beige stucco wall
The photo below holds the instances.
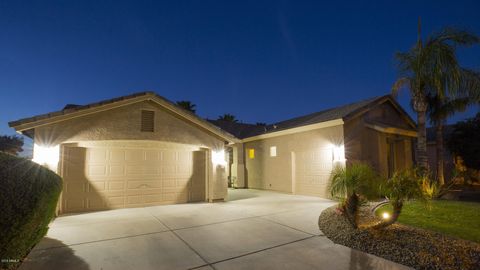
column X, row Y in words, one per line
column 123, row 123
column 275, row 173
column 365, row 144
column 238, row 165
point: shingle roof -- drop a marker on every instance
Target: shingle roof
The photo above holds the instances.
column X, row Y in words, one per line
column 325, row 115
column 241, row 130
column 71, row 108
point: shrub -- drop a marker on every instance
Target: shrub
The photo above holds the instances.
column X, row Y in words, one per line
column 28, row 200
column 402, row 186
column 352, row 184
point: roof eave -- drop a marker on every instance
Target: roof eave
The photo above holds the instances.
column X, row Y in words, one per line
column 60, row 116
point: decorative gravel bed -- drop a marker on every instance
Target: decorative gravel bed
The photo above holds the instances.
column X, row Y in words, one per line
column 417, row 248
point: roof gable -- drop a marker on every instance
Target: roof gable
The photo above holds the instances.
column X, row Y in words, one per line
column 26, row 124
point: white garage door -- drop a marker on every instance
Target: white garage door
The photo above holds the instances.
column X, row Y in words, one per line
column 108, row 177
column 312, row 172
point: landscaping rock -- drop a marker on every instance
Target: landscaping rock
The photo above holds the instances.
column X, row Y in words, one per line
column 417, row 248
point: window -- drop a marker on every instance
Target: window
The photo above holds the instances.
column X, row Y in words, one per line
column 251, row 153
column 148, row 121
column 273, row 151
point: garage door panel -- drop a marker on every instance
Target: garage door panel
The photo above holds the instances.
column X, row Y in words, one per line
column 95, row 203
column 141, row 170
column 75, row 187
column 134, row 155
column 97, row 155
column 116, row 155
column 117, row 170
column 152, row 155
column 97, row 170
column 72, row 204
column 108, row 177
column 97, row 186
column 116, row 185
column 115, row 202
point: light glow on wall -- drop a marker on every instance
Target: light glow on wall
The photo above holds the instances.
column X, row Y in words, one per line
column 218, row 157
column 338, row 153
column 46, row 155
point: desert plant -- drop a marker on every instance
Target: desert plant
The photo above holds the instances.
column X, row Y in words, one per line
column 402, row 186
column 350, row 185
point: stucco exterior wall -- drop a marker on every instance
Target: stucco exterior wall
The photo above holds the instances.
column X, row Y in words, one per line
column 364, row 144
column 124, row 123
column 275, row 173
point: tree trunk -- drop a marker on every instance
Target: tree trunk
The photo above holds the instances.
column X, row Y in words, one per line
column 422, row 159
column 439, row 150
column 351, row 209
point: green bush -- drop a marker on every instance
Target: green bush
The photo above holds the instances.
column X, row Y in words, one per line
column 28, row 198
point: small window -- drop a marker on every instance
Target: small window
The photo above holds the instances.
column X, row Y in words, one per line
column 251, row 153
column 273, row 151
column 148, row 121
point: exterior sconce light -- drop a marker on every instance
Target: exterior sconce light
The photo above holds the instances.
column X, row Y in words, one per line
column 338, row 153
column 218, row 158
column 46, row 155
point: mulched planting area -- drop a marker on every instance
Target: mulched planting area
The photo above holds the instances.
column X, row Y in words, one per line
column 414, row 247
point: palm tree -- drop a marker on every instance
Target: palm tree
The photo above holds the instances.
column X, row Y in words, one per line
column 438, row 111
column 187, row 105
column 424, row 70
column 228, row 118
column 350, row 184
column 402, row 186
column 455, row 88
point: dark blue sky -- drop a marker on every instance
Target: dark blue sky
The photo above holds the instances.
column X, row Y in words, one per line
column 262, row 61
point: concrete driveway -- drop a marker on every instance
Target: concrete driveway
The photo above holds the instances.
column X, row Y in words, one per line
column 252, row 230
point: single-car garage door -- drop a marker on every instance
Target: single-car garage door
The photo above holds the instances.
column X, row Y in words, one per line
column 312, row 172
column 131, row 174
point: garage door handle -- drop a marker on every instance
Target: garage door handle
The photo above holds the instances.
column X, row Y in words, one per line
column 143, row 186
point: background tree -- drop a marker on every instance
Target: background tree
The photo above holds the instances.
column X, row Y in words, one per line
column 431, row 69
column 454, row 87
column 228, row 117
column 11, row 144
column 187, row 105
column 464, row 142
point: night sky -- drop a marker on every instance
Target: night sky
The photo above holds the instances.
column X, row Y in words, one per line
column 263, row 61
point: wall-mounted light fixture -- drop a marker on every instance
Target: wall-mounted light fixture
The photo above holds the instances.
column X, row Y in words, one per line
column 338, row 153
column 46, row 155
column 218, row 157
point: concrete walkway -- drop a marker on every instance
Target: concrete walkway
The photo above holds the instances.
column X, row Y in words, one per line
column 252, row 230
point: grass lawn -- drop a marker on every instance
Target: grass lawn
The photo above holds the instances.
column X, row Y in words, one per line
column 458, row 219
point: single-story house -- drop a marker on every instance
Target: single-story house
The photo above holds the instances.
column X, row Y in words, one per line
column 142, row 150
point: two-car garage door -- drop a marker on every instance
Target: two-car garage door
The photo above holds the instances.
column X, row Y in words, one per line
column 120, row 175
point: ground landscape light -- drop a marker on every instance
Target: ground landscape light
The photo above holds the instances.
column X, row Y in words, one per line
column 45, row 155
column 385, row 215
column 218, row 157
